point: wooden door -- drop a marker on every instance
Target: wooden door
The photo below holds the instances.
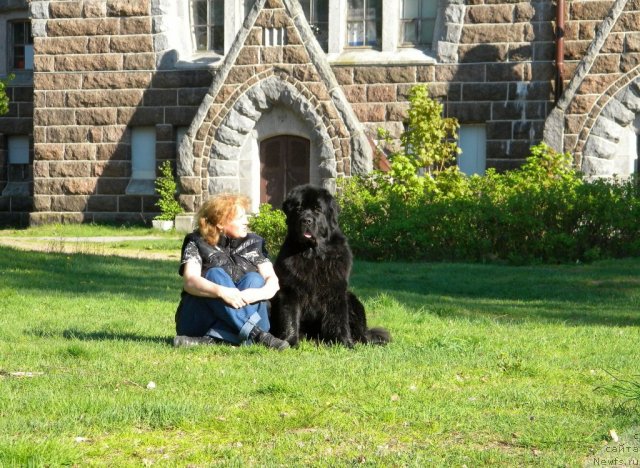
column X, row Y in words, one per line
column 284, row 164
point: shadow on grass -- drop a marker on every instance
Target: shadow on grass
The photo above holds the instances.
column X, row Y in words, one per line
column 76, row 334
column 89, row 274
column 603, row 293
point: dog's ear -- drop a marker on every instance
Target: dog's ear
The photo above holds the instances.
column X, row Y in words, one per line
column 286, row 206
column 333, row 209
column 290, row 204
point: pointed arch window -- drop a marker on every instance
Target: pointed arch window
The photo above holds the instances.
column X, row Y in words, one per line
column 418, row 20
column 317, row 14
column 364, row 23
column 207, row 19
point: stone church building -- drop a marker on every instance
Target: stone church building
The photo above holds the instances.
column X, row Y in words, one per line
column 257, row 96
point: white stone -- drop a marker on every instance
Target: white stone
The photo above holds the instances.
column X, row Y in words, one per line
column 272, row 88
column 223, row 151
column 229, row 136
column 607, row 129
column 223, row 168
column 615, row 110
column 184, row 222
column 258, row 98
column 224, row 184
column 630, row 100
column 599, row 147
column 596, row 167
column 39, row 28
column 327, row 169
column 245, row 107
column 238, row 122
column 39, row 10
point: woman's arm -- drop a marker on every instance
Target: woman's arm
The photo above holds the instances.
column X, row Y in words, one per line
column 270, row 288
column 196, row 285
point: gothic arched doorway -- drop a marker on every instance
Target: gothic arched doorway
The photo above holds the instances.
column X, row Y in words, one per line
column 284, row 163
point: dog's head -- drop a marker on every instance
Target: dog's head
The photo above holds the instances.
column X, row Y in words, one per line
column 312, row 214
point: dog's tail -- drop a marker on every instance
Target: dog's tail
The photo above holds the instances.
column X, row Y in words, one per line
column 378, row 336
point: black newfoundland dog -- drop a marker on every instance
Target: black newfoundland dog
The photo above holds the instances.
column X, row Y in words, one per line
column 313, row 268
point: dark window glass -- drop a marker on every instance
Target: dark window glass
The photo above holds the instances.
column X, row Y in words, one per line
column 208, row 24
column 317, row 13
column 364, row 23
column 21, row 46
column 418, row 21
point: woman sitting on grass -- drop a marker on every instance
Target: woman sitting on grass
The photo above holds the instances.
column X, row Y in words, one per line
column 227, row 279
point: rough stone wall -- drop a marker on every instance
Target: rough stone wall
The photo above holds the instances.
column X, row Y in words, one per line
column 603, row 53
column 95, row 78
column 97, row 74
column 504, row 78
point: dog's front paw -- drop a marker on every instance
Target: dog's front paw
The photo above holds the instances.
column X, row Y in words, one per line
column 293, row 341
column 346, row 342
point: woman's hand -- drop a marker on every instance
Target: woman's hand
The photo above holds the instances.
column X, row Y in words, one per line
column 196, row 285
column 232, row 297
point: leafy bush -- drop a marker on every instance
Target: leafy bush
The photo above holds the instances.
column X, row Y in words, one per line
column 4, row 99
column 167, row 188
column 541, row 212
column 270, row 224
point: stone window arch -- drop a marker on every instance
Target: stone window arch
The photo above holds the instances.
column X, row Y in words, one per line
column 612, row 145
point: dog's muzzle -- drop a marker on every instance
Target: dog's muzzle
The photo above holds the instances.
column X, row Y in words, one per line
column 307, row 227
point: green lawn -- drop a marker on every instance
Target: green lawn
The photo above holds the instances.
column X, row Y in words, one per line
column 489, row 365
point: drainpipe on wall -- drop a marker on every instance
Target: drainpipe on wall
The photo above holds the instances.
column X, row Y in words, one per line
column 559, row 49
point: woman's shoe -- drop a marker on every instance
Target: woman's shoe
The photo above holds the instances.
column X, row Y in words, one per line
column 181, row 341
column 267, row 339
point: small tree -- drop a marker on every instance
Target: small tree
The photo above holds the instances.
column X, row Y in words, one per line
column 430, row 138
column 166, row 187
column 428, row 145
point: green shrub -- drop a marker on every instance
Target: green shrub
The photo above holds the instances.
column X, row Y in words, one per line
column 541, row 212
column 4, row 99
column 270, row 224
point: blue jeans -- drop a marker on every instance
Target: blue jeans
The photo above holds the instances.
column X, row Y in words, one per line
column 200, row 316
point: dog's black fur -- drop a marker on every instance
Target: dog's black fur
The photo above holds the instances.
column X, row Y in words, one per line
column 313, row 267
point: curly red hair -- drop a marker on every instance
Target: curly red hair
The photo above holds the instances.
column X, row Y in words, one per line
column 218, row 211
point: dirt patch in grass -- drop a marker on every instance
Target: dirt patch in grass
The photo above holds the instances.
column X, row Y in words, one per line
column 88, row 246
